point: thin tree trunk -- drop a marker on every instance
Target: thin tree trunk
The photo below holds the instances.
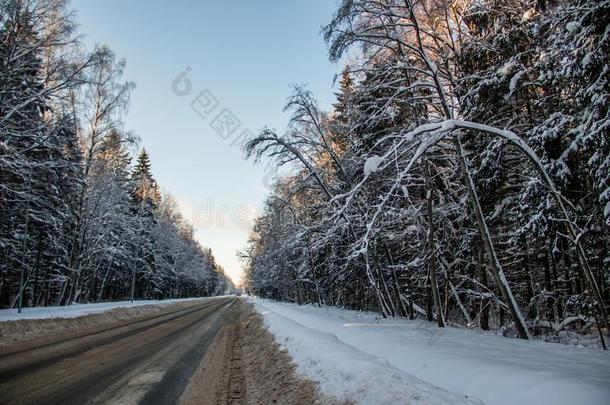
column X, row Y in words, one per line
column 484, row 311
column 494, row 262
column 456, row 296
column 36, row 267
column 431, row 251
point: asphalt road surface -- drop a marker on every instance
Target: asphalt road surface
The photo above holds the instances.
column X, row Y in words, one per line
column 146, row 361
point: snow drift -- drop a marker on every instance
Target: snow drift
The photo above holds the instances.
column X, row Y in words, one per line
column 370, row 360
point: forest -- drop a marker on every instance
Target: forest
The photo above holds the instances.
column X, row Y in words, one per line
column 80, row 221
column 461, row 176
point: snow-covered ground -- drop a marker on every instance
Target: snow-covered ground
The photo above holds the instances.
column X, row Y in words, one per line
column 372, row 361
column 72, row 311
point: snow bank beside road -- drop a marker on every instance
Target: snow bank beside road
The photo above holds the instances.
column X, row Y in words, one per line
column 73, row 311
column 497, row 370
column 347, row 373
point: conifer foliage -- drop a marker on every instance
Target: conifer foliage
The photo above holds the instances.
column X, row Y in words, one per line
column 77, row 222
column 461, row 176
column 145, row 188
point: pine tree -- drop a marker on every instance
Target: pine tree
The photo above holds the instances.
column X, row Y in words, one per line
column 75, row 226
column 144, row 196
column 344, row 98
column 146, row 189
column 37, row 152
column 497, row 109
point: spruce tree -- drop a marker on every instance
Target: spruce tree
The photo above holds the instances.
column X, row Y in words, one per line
column 144, row 195
column 145, row 189
column 37, row 151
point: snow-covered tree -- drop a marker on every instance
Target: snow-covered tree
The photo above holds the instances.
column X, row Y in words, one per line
column 74, row 225
column 462, row 175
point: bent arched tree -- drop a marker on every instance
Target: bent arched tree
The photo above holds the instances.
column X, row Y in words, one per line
column 438, row 131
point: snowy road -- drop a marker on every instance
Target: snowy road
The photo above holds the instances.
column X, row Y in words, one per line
column 145, row 361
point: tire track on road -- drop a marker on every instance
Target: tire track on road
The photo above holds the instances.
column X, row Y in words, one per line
column 81, row 373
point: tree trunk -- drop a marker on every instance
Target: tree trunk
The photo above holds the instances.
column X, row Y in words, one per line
column 484, row 311
column 431, row 251
column 494, row 262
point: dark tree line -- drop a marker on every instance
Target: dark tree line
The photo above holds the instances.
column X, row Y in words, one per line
column 463, row 174
column 78, row 222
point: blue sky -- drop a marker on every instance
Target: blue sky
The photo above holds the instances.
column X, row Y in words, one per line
column 247, row 54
